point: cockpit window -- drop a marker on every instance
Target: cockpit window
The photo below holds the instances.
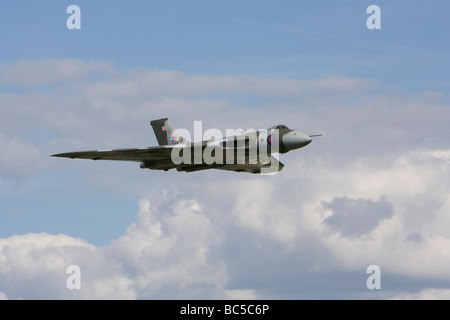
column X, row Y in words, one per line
column 280, row 127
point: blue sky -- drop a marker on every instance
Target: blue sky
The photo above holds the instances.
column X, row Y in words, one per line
column 295, row 39
column 381, row 98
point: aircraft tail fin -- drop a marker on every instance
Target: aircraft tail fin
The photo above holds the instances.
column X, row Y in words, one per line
column 164, row 132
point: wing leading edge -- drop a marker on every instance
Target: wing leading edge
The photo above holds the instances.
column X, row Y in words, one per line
column 134, row 154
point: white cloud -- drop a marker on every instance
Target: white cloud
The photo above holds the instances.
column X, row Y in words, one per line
column 409, row 238
column 176, row 246
column 163, row 254
column 18, row 158
column 103, row 111
column 240, row 294
column 169, row 247
column 210, row 235
column 174, row 83
column 34, row 265
column 416, row 184
column 256, row 208
column 35, row 73
column 426, row 294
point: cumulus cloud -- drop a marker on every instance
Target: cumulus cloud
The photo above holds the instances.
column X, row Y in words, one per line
column 34, row 265
column 404, row 234
column 372, row 190
column 403, row 231
column 163, row 254
column 235, row 245
column 256, row 208
column 169, row 251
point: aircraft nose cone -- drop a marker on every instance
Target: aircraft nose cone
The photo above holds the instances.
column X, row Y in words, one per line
column 295, row 139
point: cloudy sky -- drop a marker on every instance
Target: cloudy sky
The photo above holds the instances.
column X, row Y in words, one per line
column 374, row 190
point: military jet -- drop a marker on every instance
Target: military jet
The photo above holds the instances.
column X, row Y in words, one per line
column 252, row 151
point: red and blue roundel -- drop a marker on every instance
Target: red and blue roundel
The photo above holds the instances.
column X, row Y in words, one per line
column 269, row 140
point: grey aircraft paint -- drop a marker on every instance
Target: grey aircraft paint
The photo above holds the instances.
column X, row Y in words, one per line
column 249, row 152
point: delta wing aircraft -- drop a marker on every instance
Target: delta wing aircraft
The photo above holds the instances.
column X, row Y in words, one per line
column 251, row 152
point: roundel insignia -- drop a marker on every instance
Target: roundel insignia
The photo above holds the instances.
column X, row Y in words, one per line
column 269, row 140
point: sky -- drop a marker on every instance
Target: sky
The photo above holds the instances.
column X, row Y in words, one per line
column 373, row 190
